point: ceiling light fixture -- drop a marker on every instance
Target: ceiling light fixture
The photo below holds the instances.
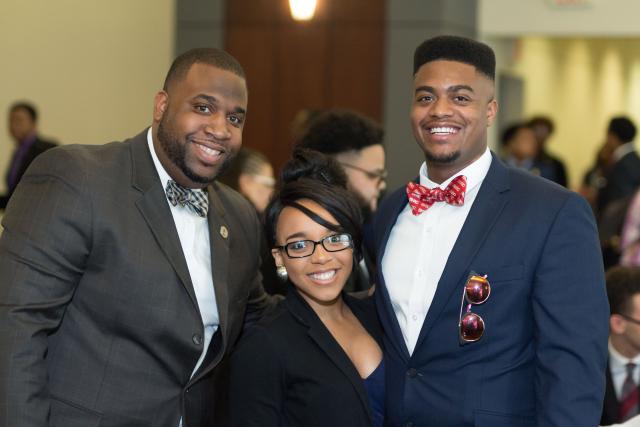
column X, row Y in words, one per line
column 302, row 10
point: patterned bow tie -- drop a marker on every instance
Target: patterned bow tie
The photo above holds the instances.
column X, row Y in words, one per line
column 421, row 198
column 194, row 200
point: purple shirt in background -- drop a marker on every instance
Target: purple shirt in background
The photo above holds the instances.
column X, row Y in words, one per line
column 18, row 158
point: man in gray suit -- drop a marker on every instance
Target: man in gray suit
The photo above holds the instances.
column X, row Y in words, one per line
column 126, row 271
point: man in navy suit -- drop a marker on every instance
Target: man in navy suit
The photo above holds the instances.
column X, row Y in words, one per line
column 491, row 287
column 621, row 397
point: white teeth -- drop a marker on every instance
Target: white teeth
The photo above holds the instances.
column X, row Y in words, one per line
column 445, row 130
column 209, row 151
column 326, row 275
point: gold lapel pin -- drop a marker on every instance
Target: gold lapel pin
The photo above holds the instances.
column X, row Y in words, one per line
column 224, row 232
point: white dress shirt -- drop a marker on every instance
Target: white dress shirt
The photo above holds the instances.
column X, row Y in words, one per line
column 419, row 246
column 193, row 231
column 618, row 367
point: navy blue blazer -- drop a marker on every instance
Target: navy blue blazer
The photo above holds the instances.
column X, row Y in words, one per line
column 542, row 358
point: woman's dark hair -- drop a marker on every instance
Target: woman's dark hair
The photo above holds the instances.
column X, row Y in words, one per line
column 313, row 176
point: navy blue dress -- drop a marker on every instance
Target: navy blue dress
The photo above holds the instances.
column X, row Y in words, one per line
column 374, row 384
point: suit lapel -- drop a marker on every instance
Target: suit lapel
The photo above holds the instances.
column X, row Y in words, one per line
column 219, row 237
column 486, row 209
column 156, row 212
column 325, row 341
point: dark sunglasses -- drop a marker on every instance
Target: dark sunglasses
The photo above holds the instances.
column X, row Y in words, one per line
column 476, row 291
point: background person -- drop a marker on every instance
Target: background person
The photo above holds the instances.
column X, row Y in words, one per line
column 23, row 127
column 251, row 175
column 551, row 166
column 623, row 174
column 622, row 395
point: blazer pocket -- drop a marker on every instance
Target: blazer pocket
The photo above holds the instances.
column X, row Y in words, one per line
column 498, row 419
column 503, row 274
column 66, row 414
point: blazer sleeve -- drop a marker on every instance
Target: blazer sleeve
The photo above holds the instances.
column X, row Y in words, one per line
column 43, row 249
column 257, row 381
column 571, row 312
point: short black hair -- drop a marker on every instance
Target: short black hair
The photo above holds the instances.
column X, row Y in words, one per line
column 455, row 48
column 622, row 284
column 511, row 131
column 26, row 106
column 314, row 176
column 542, row 121
column 338, row 131
column 623, row 128
column 247, row 161
column 209, row 56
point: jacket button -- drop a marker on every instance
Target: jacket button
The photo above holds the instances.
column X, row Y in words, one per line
column 197, row 339
column 412, row 373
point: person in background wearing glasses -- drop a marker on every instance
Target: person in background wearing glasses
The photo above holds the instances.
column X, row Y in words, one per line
column 251, row 175
column 491, row 288
column 316, row 361
column 355, row 141
column 622, row 395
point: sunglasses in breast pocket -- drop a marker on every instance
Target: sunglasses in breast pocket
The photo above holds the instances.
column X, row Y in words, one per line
column 476, row 291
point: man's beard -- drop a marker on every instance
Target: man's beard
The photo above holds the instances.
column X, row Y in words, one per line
column 445, row 159
column 176, row 152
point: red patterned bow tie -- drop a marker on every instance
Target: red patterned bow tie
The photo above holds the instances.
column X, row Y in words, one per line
column 422, row 198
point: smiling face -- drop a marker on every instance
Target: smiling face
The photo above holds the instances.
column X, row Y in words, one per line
column 198, row 124
column 452, row 107
column 319, row 278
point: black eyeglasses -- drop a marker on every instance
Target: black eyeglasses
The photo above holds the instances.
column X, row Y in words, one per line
column 476, row 291
column 629, row 318
column 305, row 248
column 380, row 175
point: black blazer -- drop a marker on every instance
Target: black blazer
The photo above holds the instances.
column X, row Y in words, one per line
column 39, row 146
column 622, row 180
column 289, row 370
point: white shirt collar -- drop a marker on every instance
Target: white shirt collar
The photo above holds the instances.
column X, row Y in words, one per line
column 164, row 176
column 474, row 173
column 623, row 150
column 618, row 362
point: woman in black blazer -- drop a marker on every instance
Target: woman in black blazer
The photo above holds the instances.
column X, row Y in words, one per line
column 314, row 361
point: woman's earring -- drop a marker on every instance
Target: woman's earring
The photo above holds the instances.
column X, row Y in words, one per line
column 281, row 271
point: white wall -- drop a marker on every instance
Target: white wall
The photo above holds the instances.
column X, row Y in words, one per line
column 603, row 18
column 91, row 67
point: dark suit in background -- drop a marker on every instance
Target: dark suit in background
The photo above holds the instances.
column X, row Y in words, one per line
column 534, row 366
column 611, row 406
column 289, row 370
column 37, row 147
column 622, row 179
column 99, row 323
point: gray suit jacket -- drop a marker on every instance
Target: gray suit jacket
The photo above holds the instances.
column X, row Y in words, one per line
column 99, row 323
